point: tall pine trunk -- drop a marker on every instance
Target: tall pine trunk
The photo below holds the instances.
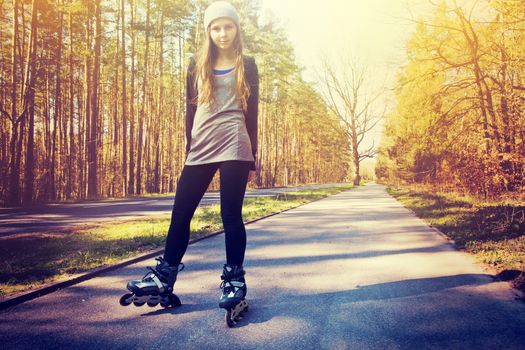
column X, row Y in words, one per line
column 143, row 104
column 70, row 190
column 158, row 124
column 131, row 183
column 116, row 181
column 29, row 173
column 124, row 103
column 55, row 160
column 84, row 124
column 14, row 173
column 93, row 130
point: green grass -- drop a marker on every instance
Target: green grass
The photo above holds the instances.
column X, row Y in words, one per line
column 29, row 261
column 493, row 231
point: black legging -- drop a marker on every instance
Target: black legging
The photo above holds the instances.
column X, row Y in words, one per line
column 192, row 185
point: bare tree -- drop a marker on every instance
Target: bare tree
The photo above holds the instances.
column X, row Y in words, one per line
column 343, row 91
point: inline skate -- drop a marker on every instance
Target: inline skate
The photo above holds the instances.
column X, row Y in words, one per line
column 156, row 287
column 233, row 294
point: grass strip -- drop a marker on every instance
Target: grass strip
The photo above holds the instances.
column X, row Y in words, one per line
column 493, row 231
column 29, row 261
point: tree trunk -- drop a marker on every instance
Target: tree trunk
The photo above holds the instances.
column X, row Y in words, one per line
column 61, row 102
column 131, row 183
column 93, row 131
column 116, row 177
column 56, row 118
column 84, row 136
column 124, row 104
column 14, row 173
column 48, row 143
column 141, row 114
column 160, row 107
column 70, row 190
column 29, row 173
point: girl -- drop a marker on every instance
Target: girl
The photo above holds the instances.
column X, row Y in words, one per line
column 221, row 133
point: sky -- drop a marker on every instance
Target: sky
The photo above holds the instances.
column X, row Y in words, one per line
column 373, row 32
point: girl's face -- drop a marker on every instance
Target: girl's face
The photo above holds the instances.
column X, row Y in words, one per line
column 223, row 32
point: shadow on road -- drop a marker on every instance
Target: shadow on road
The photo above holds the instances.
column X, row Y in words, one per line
column 290, row 304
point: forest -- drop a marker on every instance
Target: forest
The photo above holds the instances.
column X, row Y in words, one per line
column 92, row 100
column 459, row 121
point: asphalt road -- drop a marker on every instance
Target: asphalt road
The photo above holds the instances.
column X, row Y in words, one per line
column 352, row 271
column 52, row 218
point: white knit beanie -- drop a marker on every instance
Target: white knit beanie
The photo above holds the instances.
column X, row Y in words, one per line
column 220, row 9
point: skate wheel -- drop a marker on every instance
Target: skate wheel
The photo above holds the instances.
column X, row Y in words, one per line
column 152, row 304
column 228, row 318
column 125, row 299
column 136, row 303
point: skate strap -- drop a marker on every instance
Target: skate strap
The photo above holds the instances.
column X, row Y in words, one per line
column 229, row 284
column 160, row 260
column 180, row 267
column 230, row 273
column 157, row 282
column 237, row 284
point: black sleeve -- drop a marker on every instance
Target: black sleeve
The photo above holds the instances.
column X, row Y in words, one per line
column 253, row 107
column 190, row 107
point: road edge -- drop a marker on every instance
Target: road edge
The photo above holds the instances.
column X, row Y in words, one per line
column 519, row 295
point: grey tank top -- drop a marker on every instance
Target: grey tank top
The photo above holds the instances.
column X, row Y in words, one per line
column 219, row 132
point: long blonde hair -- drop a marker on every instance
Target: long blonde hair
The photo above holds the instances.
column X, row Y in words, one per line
column 206, row 56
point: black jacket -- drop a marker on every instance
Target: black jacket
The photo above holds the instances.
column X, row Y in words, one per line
column 251, row 114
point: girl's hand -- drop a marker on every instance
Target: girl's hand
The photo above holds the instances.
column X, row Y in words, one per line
column 251, row 175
